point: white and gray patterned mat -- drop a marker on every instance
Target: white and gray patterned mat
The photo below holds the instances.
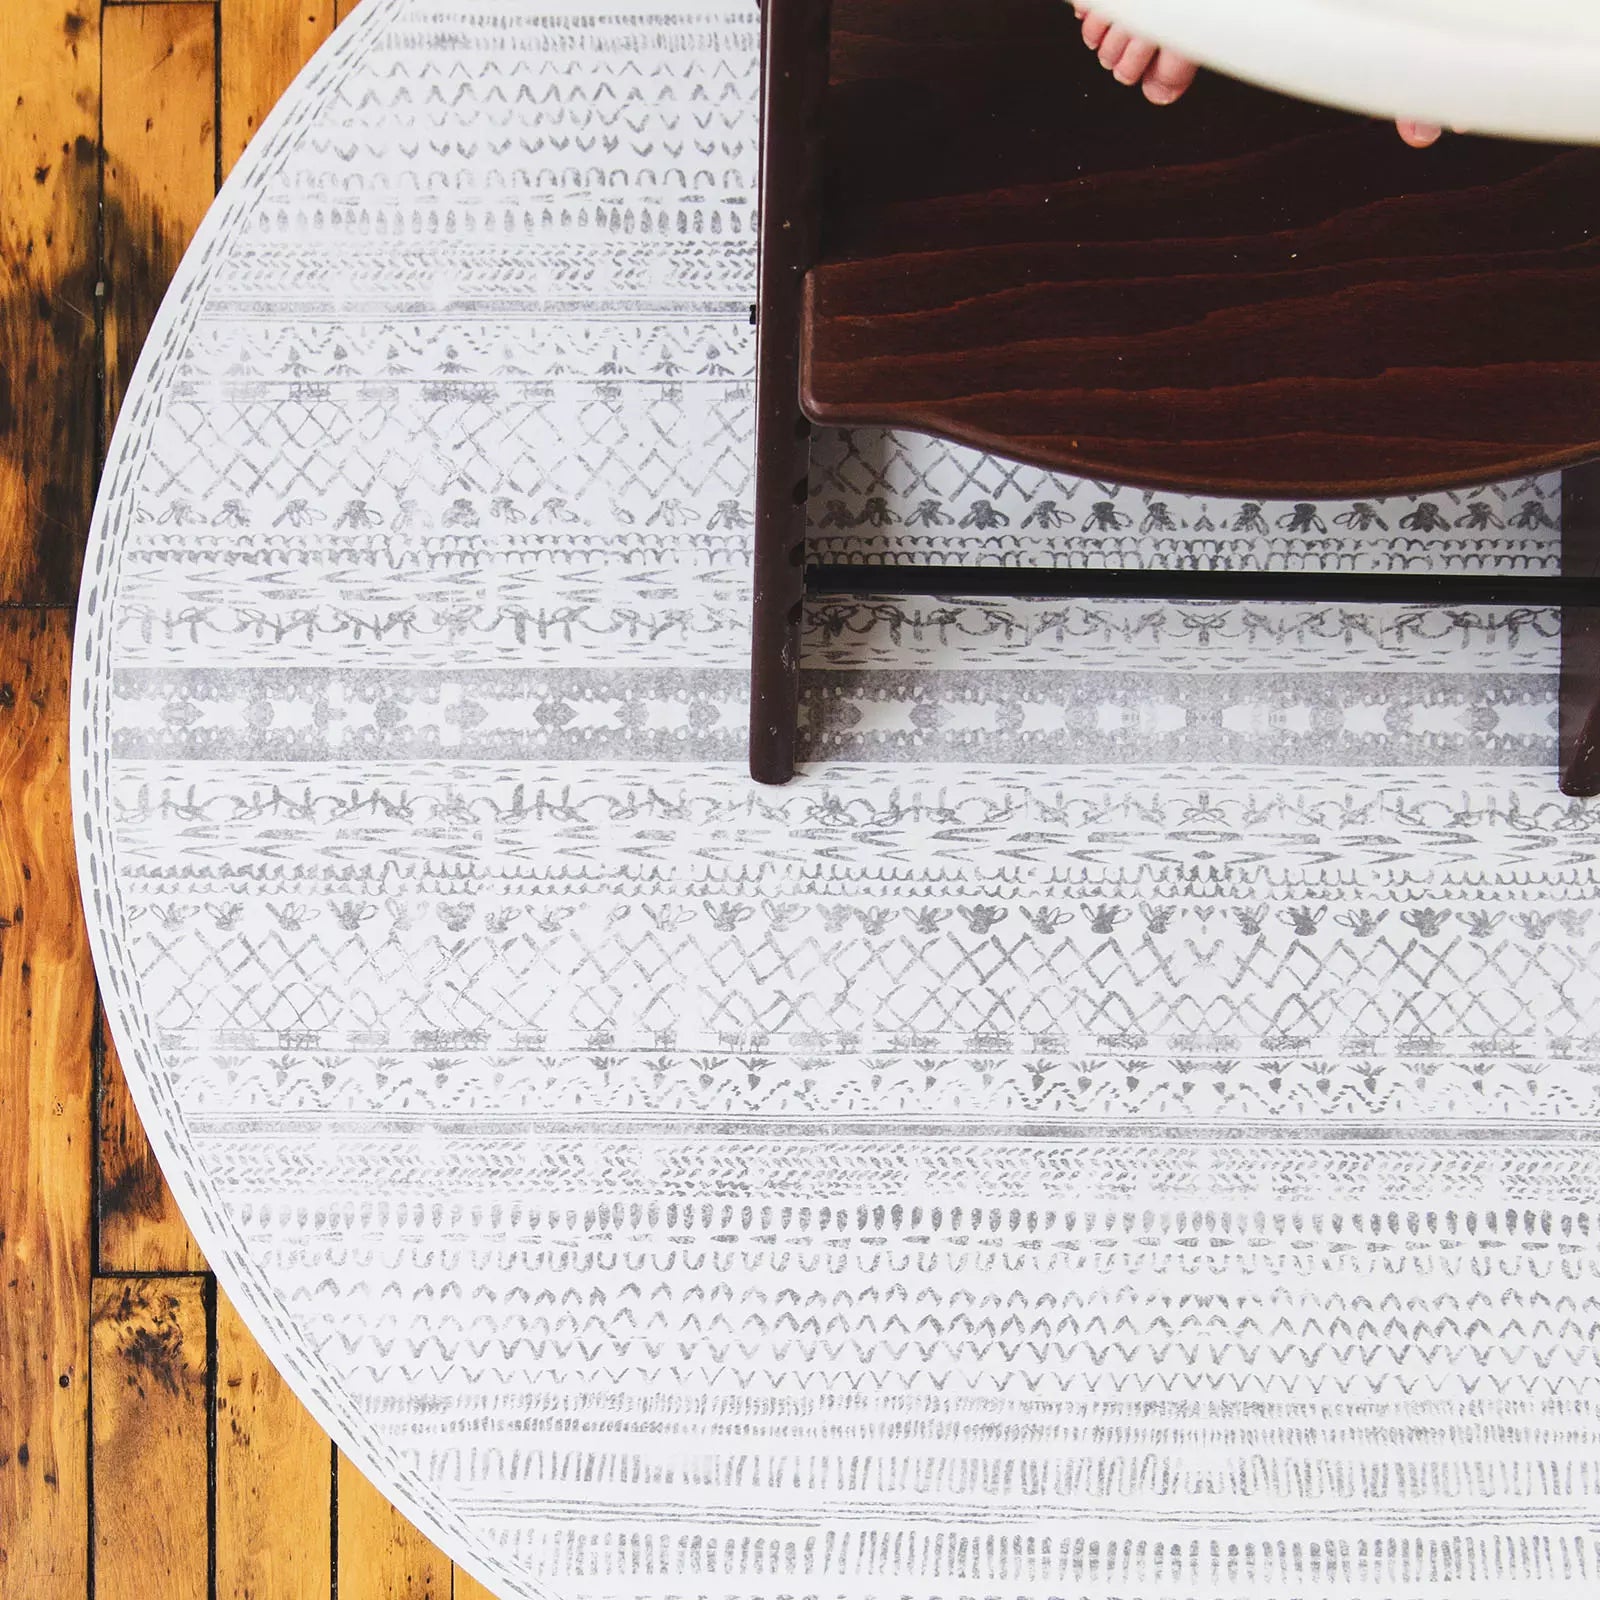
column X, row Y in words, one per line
column 1120, row 1125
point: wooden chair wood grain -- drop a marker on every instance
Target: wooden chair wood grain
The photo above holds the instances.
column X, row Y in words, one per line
column 968, row 229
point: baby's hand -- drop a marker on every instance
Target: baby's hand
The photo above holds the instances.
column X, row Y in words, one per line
column 1164, row 74
column 1419, row 135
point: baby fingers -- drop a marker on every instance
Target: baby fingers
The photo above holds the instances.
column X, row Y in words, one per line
column 1168, row 76
column 1135, row 61
column 1419, row 135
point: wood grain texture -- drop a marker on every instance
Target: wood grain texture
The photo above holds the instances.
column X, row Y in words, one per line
column 49, row 202
column 468, row 1588
column 264, row 44
column 1240, row 292
column 149, row 1349
column 160, row 165
column 160, row 172
column 141, row 1228
column 381, row 1556
column 274, row 1478
column 46, row 1007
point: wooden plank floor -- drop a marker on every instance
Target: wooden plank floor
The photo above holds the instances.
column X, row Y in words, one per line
column 147, row 1448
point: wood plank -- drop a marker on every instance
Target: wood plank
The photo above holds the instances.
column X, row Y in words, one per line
column 264, row 44
column 161, row 164
column 274, row 1478
column 151, row 1496
column 381, row 1556
column 50, row 178
column 342, row 10
column 468, row 1588
column 46, row 1008
column 141, row 1228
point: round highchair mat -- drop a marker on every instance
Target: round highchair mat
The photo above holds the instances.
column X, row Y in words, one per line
column 1119, row 1124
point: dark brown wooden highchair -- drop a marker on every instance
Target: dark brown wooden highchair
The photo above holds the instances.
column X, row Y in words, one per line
column 970, row 230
